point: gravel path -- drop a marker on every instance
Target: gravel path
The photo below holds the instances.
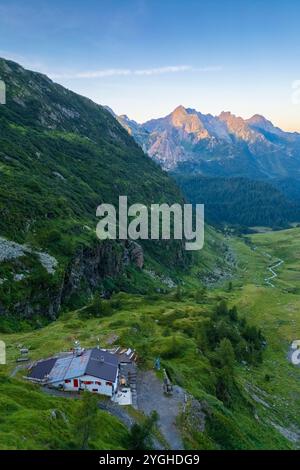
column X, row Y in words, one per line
column 121, row 413
column 117, row 411
column 24, row 366
column 15, row 371
column 151, row 397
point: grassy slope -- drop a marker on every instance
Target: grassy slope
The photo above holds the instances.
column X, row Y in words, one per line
column 32, row 420
column 61, row 155
column 64, row 155
column 151, row 323
column 276, row 310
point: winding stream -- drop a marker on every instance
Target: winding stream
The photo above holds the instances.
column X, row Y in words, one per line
column 271, row 268
column 268, row 280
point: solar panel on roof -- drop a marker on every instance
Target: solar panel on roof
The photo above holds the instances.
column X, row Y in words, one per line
column 69, row 367
column 59, row 370
column 96, row 362
column 42, row 368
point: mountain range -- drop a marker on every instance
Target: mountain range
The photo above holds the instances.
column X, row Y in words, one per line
column 226, row 145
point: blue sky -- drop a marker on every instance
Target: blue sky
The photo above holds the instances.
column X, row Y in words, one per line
column 144, row 57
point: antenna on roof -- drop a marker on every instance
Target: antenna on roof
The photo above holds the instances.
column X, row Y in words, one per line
column 77, row 348
column 98, row 343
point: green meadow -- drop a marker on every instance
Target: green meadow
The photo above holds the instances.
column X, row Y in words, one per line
column 264, row 411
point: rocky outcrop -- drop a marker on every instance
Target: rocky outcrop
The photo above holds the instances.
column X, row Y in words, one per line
column 91, row 265
column 134, row 253
column 107, row 259
column 85, row 272
column 10, row 250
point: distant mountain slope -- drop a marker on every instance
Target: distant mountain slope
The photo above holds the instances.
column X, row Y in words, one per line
column 61, row 155
column 187, row 142
column 240, row 201
column 290, row 187
column 225, row 145
column 134, row 129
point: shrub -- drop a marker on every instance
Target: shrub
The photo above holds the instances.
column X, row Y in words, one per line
column 200, row 295
column 98, row 308
column 141, row 435
column 173, row 348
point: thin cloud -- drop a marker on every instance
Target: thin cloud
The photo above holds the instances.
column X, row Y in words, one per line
column 162, row 70
column 139, row 72
column 93, row 73
column 213, row 68
column 33, row 64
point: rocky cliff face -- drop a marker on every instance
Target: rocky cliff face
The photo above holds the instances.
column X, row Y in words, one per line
column 92, row 265
column 39, row 288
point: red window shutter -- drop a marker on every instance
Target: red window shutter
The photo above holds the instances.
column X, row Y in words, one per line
column 109, row 383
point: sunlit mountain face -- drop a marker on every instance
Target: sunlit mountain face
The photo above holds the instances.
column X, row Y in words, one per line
column 226, row 145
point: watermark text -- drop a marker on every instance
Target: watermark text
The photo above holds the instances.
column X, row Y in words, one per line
column 2, row 92
column 159, row 222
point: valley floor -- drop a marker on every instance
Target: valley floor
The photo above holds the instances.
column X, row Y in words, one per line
column 266, row 417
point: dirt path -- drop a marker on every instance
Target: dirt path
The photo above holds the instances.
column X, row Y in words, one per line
column 150, row 397
column 16, row 369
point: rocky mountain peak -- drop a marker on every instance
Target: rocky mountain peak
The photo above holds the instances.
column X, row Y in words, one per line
column 124, row 116
column 178, row 116
column 233, row 121
column 189, row 121
column 179, row 110
column 237, row 126
column 257, row 118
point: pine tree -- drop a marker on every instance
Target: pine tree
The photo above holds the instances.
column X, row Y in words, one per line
column 225, row 359
column 140, row 437
column 85, row 424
